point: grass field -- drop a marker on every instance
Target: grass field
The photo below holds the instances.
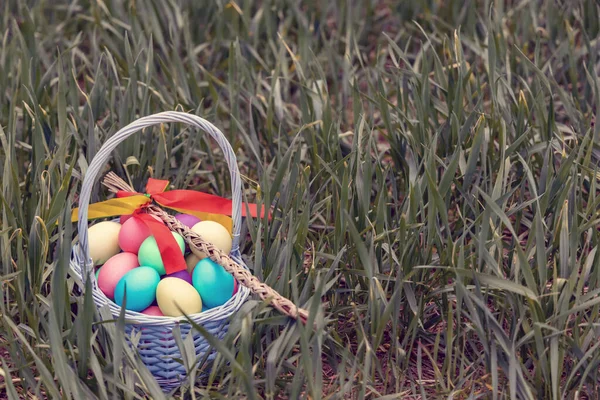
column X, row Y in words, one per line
column 433, row 167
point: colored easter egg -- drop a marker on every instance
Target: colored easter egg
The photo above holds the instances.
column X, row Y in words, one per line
column 97, row 272
column 154, row 311
column 214, row 284
column 187, row 219
column 113, row 270
column 149, row 253
column 214, row 233
column 103, row 241
column 181, row 275
column 235, row 286
column 133, row 232
column 127, row 217
column 140, row 284
column 191, row 260
column 176, row 297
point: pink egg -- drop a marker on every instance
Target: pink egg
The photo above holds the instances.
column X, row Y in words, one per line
column 153, row 310
column 235, row 286
column 113, row 270
column 133, row 232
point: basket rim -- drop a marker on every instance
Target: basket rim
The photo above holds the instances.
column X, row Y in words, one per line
column 214, row 314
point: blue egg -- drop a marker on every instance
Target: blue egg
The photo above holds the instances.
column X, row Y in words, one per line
column 140, row 283
column 214, row 284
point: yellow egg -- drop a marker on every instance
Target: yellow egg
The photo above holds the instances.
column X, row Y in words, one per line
column 103, row 239
column 173, row 294
column 191, row 260
column 214, row 233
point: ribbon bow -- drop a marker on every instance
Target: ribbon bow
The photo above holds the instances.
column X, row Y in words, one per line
column 205, row 206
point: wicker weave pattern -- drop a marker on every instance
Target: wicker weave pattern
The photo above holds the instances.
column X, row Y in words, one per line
column 161, row 360
column 157, row 346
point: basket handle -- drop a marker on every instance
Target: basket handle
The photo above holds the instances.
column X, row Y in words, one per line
column 101, row 158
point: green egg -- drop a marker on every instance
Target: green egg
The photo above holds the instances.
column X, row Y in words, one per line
column 149, row 253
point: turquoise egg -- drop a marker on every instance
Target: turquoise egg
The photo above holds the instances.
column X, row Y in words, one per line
column 149, row 253
column 97, row 272
column 214, row 284
column 140, row 283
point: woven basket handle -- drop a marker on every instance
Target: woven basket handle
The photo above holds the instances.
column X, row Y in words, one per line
column 103, row 155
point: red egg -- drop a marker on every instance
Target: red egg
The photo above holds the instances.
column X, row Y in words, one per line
column 113, row 270
column 124, row 218
column 133, row 232
column 153, row 310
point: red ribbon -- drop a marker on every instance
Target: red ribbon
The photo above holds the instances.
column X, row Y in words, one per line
column 170, row 252
column 190, row 200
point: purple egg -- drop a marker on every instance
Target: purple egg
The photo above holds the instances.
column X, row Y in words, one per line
column 187, row 219
column 183, row 274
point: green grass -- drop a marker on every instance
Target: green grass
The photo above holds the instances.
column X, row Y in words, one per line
column 433, row 166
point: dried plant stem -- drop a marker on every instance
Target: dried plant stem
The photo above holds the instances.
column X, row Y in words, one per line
column 114, row 183
column 241, row 274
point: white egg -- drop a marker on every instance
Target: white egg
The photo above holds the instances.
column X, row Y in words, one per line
column 214, row 233
column 103, row 241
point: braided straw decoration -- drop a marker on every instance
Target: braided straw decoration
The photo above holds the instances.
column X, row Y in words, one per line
column 284, row 305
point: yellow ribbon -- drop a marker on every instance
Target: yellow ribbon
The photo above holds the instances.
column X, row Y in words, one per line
column 128, row 205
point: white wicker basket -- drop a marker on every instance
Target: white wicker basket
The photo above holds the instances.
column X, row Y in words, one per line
column 157, row 345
